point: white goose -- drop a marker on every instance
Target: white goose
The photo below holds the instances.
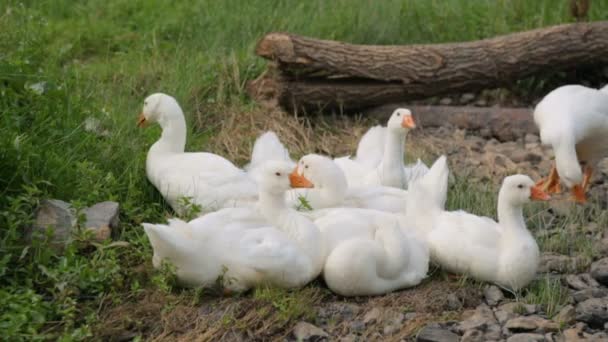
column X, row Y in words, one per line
column 573, row 119
column 379, row 159
column 326, row 187
column 244, row 247
column 502, row 252
column 208, row 179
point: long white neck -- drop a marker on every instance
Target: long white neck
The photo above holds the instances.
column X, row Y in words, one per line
column 173, row 124
column 272, row 206
column 510, row 216
column 392, row 160
column 332, row 189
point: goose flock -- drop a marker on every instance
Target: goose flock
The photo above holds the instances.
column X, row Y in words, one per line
column 368, row 223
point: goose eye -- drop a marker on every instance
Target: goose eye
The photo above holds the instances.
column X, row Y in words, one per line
column 398, row 114
column 521, row 186
column 306, row 166
column 278, row 174
column 145, row 103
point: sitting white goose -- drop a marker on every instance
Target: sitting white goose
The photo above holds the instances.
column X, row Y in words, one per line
column 379, row 158
column 244, row 247
column 502, row 252
column 573, row 119
column 326, row 187
column 369, row 253
column 208, row 179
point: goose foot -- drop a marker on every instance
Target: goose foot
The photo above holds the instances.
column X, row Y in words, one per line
column 579, row 191
column 551, row 183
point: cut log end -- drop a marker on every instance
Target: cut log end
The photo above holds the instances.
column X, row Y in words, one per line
column 274, row 45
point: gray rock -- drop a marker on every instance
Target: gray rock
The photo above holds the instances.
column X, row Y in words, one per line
column 482, row 318
column 531, row 323
column 304, row 331
column 372, row 316
column 453, row 303
column 435, row 333
column 446, row 101
column 101, row 219
column 549, row 337
column 593, row 311
column 566, row 315
column 526, row 338
column 559, row 263
column 580, row 281
column 493, row 295
column 55, row 215
column 599, row 271
column 588, row 293
column 410, row 315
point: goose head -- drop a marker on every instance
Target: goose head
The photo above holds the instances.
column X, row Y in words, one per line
column 401, row 121
column 318, row 171
column 518, row 190
column 159, row 108
column 274, row 177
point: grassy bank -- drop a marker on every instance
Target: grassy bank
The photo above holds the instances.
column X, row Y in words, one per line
column 62, row 62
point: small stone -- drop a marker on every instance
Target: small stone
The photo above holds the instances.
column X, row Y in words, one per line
column 446, row 101
column 410, row 315
column 101, row 219
column 304, row 331
column 549, row 337
column 592, row 292
column 357, row 326
column 348, row 338
column 526, row 338
column 493, row 295
column 519, row 308
column 566, row 315
column 593, row 311
column 94, row 125
column 467, row 98
column 435, row 333
column 531, row 323
column 58, row 216
column 599, row 271
column 390, row 329
column 502, row 316
column 481, row 103
column 473, row 335
column 531, row 138
column 372, row 316
column 453, row 303
column 575, row 334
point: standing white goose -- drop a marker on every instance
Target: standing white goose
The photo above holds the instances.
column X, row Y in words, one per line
column 380, row 155
column 244, row 247
column 329, row 188
column 502, row 252
column 573, row 120
column 208, row 179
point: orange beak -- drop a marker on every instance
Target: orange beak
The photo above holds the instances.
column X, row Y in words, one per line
column 299, row 181
column 141, row 120
column 536, row 193
column 408, row 122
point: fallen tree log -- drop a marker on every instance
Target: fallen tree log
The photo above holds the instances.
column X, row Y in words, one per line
column 313, row 74
column 504, row 124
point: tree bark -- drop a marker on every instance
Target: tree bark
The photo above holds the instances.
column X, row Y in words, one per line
column 314, row 74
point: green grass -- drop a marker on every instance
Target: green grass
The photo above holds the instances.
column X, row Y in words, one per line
column 100, row 59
